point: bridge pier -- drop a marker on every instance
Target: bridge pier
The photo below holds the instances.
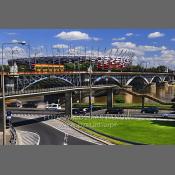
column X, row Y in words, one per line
column 68, row 104
column 128, row 97
column 109, row 98
column 152, row 88
column 164, row 84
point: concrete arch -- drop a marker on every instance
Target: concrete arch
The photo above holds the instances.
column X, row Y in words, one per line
column 156, row 79
column 45, row 78
column 132, row 79
column 109, row 77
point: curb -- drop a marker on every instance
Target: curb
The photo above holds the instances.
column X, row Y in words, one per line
column 85, row 133
column 27, row 138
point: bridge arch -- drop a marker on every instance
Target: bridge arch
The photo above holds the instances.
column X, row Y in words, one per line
column 60, row 80
column 137, row 77
column 108, row 79
column 167, row 78
column 156, row 79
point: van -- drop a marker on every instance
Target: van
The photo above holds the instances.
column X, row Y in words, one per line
column 53, row 106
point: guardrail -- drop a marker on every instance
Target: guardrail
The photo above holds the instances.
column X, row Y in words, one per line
column 66, row 88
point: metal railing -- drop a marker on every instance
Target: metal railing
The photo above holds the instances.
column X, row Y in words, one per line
column 26, row 91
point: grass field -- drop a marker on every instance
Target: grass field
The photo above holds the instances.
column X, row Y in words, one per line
column 142, row 131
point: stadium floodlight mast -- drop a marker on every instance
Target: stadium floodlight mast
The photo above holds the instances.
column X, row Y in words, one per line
column 3, row 85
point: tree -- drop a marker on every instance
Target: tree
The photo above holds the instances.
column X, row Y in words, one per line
column 161, row 68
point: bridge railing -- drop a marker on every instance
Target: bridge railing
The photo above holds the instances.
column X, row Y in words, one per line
column 28, row 91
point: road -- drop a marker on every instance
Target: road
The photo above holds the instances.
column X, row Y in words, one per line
column 48, row 135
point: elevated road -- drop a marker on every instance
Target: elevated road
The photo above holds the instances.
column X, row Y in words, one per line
column 36, row 92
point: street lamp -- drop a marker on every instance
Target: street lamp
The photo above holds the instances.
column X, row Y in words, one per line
column 3, row 87
column 90, row 86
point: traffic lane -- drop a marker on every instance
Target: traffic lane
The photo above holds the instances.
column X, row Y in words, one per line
column 48, row 135
column 131, row 113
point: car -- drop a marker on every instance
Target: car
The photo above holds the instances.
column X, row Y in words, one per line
column 151, row 110
column 53, row 106
column 171, row 114
column 14, row 104
column 29, row 105
column 77, row 111
column 114, row 111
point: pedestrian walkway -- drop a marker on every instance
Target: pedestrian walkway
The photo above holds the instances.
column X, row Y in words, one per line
column 8, row 137
column 27, row 138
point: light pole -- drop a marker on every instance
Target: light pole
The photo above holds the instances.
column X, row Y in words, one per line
column 3, row 88
column 90, row 87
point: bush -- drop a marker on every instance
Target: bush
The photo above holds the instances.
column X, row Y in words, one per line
column 119, row 99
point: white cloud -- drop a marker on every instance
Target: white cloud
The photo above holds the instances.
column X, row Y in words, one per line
column 129, row 34
column 172, row 39
column 60, row 46
column 76, row 35
column 73, row 35
column 14, row 41
column 119, row 39
column 96, row 38
column 127, row 45
column 156, row 35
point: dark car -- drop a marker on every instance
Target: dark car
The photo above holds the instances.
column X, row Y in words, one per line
column 78, row 111
column 29, row 105
column 114, row 111
column 152, row 110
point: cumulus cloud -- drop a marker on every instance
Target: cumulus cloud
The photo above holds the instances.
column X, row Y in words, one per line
column 76, row 35
column 156, row 35
column 137, row 49
column 119, row 39
column 129, row 34
column 163, row 55
column 73, row 35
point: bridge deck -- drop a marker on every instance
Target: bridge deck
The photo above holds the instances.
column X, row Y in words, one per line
column 36, row 92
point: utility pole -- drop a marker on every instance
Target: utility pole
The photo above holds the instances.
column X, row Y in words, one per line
column 3, row 88
column 90, row 85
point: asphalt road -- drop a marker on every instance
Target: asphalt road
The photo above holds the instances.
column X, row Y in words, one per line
column 48, row 135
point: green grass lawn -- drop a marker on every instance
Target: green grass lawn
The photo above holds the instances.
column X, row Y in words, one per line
column 142, row 131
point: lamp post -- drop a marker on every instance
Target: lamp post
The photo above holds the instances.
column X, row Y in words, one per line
column 90, row 87
column 3, row 88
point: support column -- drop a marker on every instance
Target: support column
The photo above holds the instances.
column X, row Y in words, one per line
column 128, row 97
column 152, row 88
column 143, row 102
column 68, row 104
column 1, row 116
column 109, row 98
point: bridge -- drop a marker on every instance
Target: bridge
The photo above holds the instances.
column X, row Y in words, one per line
column 28, row 80
column 69, row 90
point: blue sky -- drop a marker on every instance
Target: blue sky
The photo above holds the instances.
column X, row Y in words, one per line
column 156, row 46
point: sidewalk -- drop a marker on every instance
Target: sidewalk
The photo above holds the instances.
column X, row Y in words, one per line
column 27, row 138
column 8, row 136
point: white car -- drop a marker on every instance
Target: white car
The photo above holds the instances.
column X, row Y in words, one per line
column 53, row 106
column 171, row 114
